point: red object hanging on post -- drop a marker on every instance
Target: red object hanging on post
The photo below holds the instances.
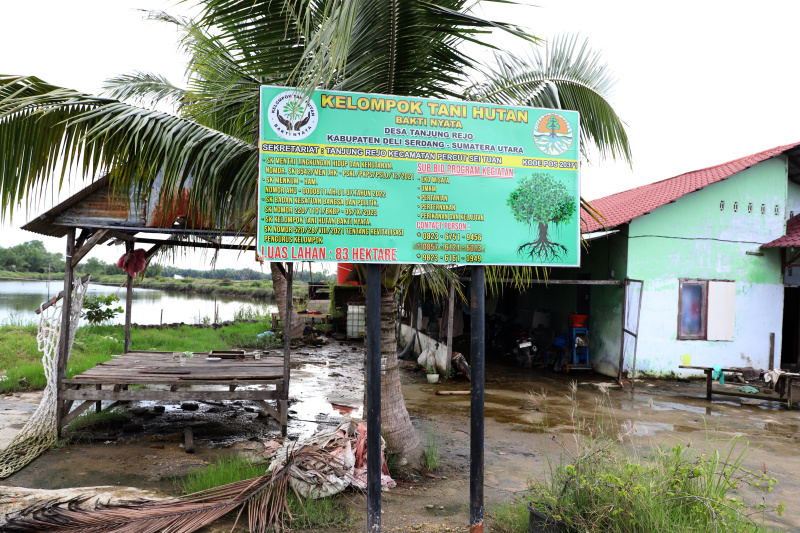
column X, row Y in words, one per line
column 134, row 262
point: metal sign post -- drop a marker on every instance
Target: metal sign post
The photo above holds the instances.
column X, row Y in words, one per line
column 374, row 456
column 478, row 349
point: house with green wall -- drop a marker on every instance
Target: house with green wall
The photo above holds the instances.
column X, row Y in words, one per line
column 718, row 252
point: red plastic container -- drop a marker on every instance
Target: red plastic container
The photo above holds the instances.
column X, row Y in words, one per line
column 578, row 321
column 342, row 271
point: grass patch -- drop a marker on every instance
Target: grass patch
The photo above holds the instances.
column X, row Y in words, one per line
column 606, row 482
column 224, row 470
column 307, row 514
column 102, row 421
column 431, row 455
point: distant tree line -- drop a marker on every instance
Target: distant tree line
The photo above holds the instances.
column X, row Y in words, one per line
column 32, row 256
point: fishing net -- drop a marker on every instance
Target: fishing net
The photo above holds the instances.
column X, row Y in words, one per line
column 41, row 430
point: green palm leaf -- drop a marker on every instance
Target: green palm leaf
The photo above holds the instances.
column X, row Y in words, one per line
column 48, row 131
column 582, row 83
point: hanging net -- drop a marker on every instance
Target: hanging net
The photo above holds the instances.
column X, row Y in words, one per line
column 41, row 430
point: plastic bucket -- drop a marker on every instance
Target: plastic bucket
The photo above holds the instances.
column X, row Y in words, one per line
column 686, row 360
column 539, row 523
column 577, row 321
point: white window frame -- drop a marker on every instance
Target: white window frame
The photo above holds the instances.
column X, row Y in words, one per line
column 718, row 314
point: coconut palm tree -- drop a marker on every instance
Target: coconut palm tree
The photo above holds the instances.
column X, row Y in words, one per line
column 413, row 48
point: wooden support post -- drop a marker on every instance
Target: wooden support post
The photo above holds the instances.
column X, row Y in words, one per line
column 128, row 300
column 771, row 351
column 188, row 444
column 98, row 405
column 63, row 343
column 709, row 381
column 451, row 303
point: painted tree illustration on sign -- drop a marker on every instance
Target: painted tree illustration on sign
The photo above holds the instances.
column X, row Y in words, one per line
column 540, row 201
column 553, row 125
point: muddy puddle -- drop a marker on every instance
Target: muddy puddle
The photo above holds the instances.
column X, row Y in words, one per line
column 530, row 418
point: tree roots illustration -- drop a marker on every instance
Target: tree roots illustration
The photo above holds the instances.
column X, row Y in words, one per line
column 542, row 248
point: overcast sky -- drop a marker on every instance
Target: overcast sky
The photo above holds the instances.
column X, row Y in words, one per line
column 690, row 74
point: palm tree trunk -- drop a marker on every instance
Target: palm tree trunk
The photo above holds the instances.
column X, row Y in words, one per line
column 401, row 437
column 279, row 286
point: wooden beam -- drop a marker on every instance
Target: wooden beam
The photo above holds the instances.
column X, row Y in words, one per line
column 128, row 299
column 76, row 412
column 63, row 345
column 152, row 251
column 57, row 297
column 86, row 248
column 167, row 242
column 165, row 395
column 120, row 235
column 271, row 411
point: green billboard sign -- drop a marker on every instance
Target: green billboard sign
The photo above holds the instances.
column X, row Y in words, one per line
column 369, row 178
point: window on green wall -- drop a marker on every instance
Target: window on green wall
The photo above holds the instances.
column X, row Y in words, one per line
column 706, row 309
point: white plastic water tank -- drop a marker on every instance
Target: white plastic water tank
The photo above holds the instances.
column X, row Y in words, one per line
column 356, row 321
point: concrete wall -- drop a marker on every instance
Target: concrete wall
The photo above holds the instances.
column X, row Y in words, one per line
column 693, row 238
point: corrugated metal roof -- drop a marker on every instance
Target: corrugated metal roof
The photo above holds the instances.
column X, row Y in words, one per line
column 624, row 206
column 792, row 237
column 102, row 206
column 43, row 224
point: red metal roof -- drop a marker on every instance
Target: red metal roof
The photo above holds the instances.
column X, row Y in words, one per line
column 624, row 206
column 792, row 237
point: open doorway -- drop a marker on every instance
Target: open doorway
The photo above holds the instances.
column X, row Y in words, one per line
column 790, row 348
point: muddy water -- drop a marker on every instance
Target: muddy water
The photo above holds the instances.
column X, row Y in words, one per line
column 529, row 418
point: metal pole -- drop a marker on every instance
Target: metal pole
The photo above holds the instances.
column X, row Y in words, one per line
column 478, row 349
column 287, row 349
column 373, row 406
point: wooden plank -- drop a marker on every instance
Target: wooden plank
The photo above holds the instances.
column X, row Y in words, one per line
column 164, row 395
column 269, row 409
column 72, row 415
column 746, row 395
column 57, row 297
column 151, row 380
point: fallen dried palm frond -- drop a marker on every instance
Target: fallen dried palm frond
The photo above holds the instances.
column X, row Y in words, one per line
column 265, row 499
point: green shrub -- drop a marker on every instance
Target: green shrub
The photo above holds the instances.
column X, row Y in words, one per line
column 605, row 485
column 97, row 309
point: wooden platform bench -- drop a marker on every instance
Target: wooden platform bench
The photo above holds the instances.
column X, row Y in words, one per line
column 789, row 377
column 110, row 381
column 307, row 318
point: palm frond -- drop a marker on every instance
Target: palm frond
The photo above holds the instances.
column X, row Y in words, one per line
column 582, row 83
column 48, row 131
column 143, row 89
column 264, row 498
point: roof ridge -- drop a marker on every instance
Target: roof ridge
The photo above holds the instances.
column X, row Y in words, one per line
column 623, row 206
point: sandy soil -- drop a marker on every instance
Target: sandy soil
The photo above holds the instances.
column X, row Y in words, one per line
column 325, row 381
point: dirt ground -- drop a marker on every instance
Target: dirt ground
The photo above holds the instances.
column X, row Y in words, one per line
column 522, row 432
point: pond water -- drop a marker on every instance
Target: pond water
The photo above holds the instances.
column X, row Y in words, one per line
column 19, row 300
